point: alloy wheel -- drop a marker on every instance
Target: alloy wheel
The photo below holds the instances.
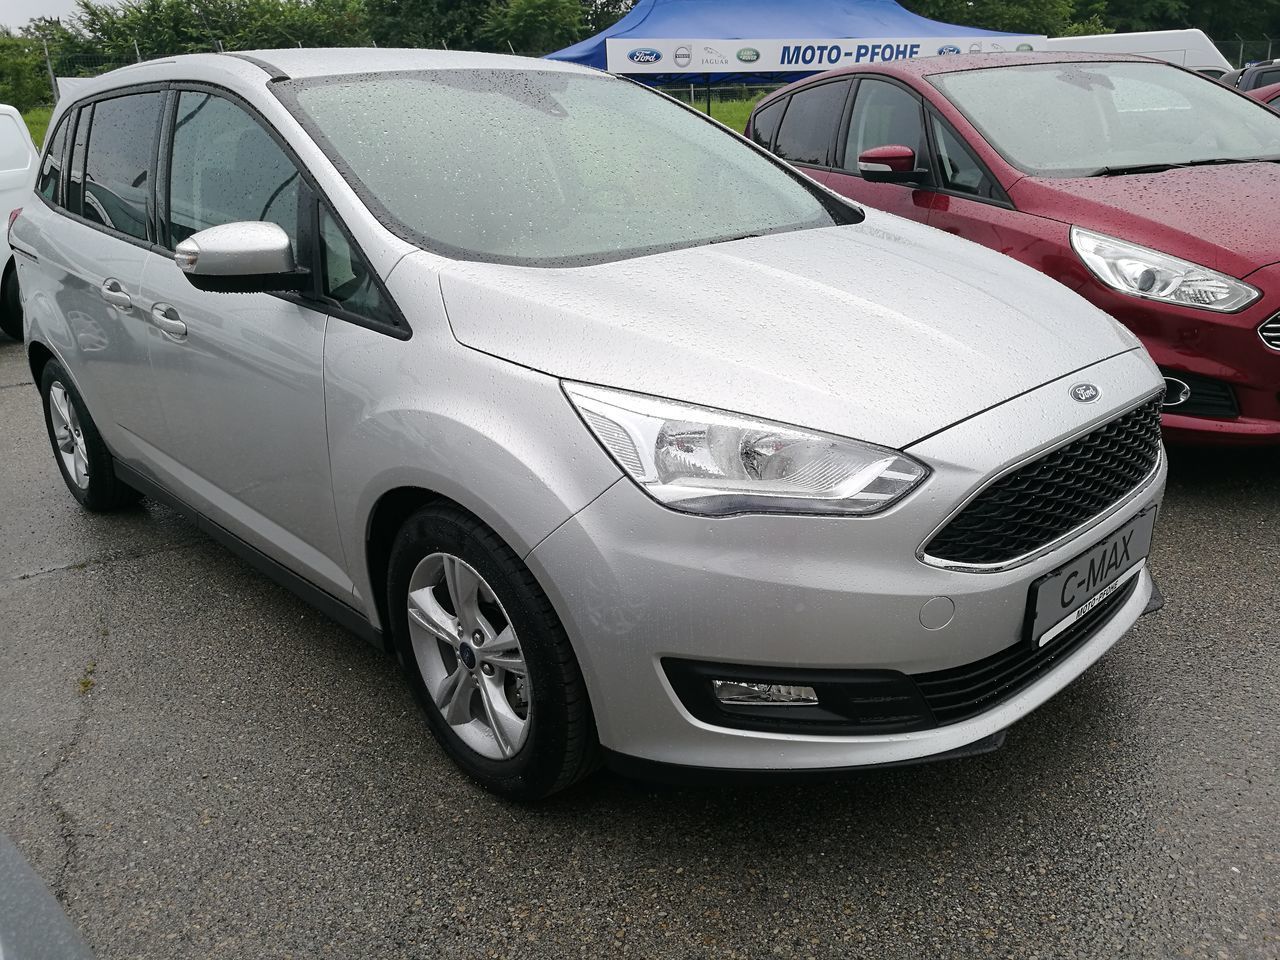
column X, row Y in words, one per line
column 68, row 435
column 469, row 656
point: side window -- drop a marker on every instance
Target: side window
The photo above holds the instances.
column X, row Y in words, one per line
column 1265, row 78
column 225, row 167
column 884, row 114
column 958, row 168
column 348, row 279
column 50, row 182
column 765, row 123
column 809, row 125
column 117, row 166
column 75, row 182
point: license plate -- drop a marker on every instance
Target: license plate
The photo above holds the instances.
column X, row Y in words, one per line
column 1064, row 597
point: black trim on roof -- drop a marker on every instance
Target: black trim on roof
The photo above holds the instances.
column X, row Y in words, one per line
column 275, row 72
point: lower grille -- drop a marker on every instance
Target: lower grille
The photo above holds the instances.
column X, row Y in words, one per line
column 1036, row 504
column 884, row 701
column 962, row 692
column 1270, row 332
column 1204, row 396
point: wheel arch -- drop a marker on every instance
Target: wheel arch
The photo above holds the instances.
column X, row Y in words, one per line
column 38, row 356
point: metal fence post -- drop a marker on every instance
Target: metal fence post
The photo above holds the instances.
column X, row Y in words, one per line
column 53, row 80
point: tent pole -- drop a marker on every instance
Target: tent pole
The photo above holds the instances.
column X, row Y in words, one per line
column 708, row 94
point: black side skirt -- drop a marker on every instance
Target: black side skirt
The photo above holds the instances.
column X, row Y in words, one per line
column 343, row 614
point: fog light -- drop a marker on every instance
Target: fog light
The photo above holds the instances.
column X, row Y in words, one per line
column 763, row 694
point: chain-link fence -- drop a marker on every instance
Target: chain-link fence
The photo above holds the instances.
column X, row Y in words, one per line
column 1243, row 52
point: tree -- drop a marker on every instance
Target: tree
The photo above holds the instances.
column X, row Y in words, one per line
column 455, row 24
column 23, row 81
column 1053, row 18
column 533, row 26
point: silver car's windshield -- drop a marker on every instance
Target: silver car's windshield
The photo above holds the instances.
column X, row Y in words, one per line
column 1083, row 119
column 546, row 167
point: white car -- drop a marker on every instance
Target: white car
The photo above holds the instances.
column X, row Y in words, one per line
column 17, row 160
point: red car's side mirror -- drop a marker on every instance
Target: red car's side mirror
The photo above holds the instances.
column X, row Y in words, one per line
column 892, row 163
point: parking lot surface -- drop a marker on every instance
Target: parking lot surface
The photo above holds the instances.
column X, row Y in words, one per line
column 201, row 766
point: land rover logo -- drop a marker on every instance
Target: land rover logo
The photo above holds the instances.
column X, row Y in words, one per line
column 1085, row 393
column 683, row 56
column 748, row 54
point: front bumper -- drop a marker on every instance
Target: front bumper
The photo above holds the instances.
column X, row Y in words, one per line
column 1226, row 348
column 635, row 583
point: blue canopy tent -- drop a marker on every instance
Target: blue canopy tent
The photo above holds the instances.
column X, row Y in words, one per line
column 668, row 40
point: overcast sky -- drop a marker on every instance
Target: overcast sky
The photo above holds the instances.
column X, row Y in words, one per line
column 15, row 13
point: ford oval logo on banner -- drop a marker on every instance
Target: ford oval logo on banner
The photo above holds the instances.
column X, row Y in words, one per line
column 644, row 55
column 950, row 50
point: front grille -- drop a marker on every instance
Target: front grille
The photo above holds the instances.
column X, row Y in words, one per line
column 962, row 692
column 1270, row 332
column 1038, row 503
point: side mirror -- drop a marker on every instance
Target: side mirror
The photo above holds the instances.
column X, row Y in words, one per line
column 892, row 163
column 246, row 257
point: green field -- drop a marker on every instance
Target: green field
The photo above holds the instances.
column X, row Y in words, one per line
column 732, row 113
column 37, row 122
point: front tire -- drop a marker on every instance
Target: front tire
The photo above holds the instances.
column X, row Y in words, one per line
column 82, row 457
column 487, row 657
column 10, row 303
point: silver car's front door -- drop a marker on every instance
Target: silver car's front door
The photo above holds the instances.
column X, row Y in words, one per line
column 240, row 376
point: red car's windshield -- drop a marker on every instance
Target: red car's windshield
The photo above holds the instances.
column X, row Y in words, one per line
column 1081, row 119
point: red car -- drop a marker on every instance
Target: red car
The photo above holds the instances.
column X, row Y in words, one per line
column 1145, row 187
column 1270, row 95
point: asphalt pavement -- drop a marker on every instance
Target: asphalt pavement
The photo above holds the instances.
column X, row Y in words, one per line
column 201, row 766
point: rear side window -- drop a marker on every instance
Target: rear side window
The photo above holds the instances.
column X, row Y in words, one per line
column 810, row 123
column 1264, row 78
column 884, row 114
column 226, row 168
column 118, row 163
column 765, row 123
column 75, row 181
column 50, row 181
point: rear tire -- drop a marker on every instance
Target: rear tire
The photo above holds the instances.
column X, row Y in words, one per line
column 82, row 457
column 499, row 682
column 10, row 303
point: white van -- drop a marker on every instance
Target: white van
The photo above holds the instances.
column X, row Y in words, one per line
column 1187, row 48
column 17, row 163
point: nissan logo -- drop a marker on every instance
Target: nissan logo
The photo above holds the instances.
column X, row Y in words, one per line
column 1085, row 393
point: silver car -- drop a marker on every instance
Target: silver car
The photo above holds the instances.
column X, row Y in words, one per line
column 630, row 441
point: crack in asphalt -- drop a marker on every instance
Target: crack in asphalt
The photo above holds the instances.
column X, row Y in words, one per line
column 62, row 817
column 102, row 561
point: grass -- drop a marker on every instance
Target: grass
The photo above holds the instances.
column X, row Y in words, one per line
column 37, row 123
column 732, row 113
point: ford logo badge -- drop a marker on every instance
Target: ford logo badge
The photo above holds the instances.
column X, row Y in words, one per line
column 1085, row 393
column 949, row 50
column 644, row 55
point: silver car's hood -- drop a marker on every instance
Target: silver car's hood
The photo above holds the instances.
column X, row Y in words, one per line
column 885, row 331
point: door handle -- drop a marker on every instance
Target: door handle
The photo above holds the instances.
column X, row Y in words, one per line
column 165, row 316
column 112, row 292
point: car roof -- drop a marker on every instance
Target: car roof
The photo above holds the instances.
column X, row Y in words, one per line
column 937, row 66
column 332, row 61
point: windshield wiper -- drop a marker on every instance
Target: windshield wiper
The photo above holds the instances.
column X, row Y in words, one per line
column 1161, row 167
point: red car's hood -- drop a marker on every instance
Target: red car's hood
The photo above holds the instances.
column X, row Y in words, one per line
column 1224, row 217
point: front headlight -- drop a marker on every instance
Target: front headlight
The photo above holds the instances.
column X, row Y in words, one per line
column 710, row 462
column 1142, row 272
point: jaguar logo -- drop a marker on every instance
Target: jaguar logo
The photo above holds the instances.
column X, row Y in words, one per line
column 1085, row 393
